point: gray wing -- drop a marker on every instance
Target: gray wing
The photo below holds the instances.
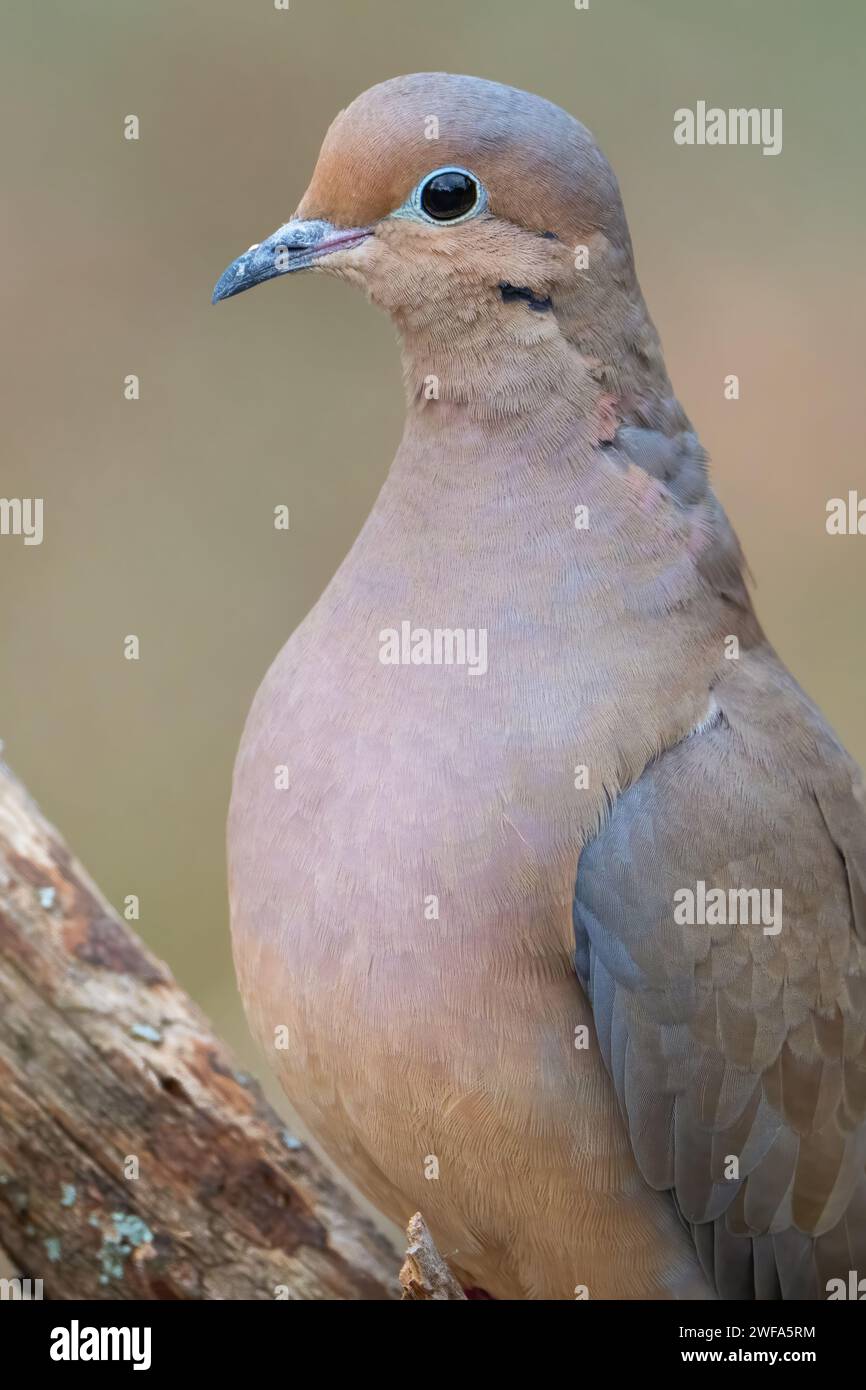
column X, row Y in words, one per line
column 739, row 1054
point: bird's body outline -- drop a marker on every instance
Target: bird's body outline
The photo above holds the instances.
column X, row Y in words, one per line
column 403, row 781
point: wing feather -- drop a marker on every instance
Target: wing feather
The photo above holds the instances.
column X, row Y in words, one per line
column 738, row 1054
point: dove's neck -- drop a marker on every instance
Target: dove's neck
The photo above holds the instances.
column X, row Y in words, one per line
column 510, row 510
column 589, row 358
column 523, row 518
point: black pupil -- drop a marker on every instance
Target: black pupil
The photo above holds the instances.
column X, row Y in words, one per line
column 449, row 195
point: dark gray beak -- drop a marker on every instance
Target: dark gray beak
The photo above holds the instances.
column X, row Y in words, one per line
column 295, row 246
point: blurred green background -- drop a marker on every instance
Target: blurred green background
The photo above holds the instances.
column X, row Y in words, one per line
column 158, row 513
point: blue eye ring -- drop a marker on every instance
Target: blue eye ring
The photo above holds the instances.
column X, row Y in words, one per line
column 422, row 193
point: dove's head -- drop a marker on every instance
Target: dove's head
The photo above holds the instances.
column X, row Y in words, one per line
column 484, row 219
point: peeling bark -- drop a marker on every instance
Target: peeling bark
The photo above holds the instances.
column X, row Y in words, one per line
column 425, row 1275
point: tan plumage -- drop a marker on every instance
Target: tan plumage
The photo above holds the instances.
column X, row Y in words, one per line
column 454, row 1037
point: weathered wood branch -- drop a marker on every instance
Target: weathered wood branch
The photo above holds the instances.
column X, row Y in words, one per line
column 136, row 1161
column 425, row 1275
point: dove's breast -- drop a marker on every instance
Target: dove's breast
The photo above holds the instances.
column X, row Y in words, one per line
column 403, row 840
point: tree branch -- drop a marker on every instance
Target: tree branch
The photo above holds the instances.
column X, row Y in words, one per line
column 136, row 1161
column 425, row 1275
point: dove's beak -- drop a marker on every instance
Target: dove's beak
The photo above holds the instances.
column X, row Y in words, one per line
column 295, row 246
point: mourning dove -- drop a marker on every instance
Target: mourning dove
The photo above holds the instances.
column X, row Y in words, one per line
column 539, row 663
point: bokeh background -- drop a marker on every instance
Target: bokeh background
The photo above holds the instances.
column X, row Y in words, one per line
column 158, row 513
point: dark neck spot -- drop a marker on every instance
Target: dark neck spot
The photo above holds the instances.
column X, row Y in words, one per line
column 540, row 303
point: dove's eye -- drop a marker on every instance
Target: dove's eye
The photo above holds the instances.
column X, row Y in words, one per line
column 449, row 195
